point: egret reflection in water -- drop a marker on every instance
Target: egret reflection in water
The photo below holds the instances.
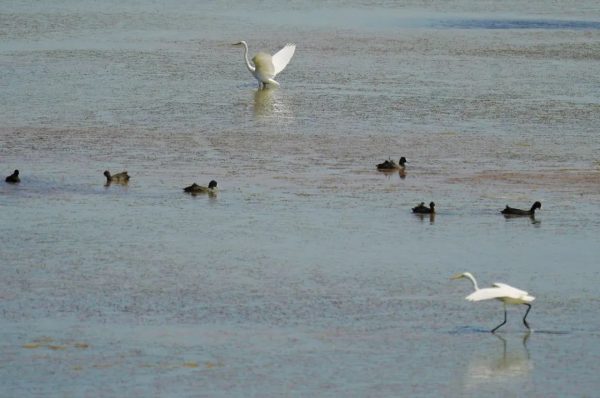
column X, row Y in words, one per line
column 268, row 102
column 512, row 361
column 263, row 102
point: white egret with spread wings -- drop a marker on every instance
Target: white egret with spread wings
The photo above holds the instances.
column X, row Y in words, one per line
column 264, row 66
column 499, row 291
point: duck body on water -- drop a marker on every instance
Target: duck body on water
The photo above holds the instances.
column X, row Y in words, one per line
column 195, row 189
column 13, row 178
column 389, row 165
column 422, row 209
column 119, row 178
column 509, row 211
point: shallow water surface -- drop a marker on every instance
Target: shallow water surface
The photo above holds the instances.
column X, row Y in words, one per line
column 307, row 273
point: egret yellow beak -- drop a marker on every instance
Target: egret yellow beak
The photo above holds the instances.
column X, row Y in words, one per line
column 457, row 276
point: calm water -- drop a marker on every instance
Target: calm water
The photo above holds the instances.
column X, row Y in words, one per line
column 307, row 274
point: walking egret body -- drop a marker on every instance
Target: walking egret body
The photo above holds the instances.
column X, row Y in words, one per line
column 266, row 67
column 499, row 291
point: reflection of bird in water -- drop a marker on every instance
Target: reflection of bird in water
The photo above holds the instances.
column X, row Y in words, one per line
column 486, row 368
column 422, row 217
column 272, row 103
column 266, row 67
column 263, row 102
column 389, row 173
column 499, row 291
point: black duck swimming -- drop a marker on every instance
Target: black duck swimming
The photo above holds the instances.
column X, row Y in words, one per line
column 422, row 209
column 509, row 211
column 389, row 164
column 13, row 178
column 197, row 189
column 119, row 178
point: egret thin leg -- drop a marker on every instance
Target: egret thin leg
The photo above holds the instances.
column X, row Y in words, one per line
column 496, row 328
column 526, row 312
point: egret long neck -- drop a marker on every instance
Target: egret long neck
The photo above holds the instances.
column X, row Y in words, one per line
column 472, row 279
column 248, row 64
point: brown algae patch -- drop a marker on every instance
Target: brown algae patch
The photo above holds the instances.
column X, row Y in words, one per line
column 56, row 347
column 50, row 344
column 576, row 181
column 37, row 343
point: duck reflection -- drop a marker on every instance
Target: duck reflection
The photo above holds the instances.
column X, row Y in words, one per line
column 534, row 221
column 423, row 217
column 511, row 363
column 389, row 173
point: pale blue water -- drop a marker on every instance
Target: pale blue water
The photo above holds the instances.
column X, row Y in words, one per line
column 307, row 274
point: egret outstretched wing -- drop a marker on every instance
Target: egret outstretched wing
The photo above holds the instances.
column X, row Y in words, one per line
column 499, row 291
column 486, row 294
column 282, row 57
column 513, row 291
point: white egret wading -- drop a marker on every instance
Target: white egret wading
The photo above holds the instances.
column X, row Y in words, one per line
column 266, row 67
column 499, row 291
